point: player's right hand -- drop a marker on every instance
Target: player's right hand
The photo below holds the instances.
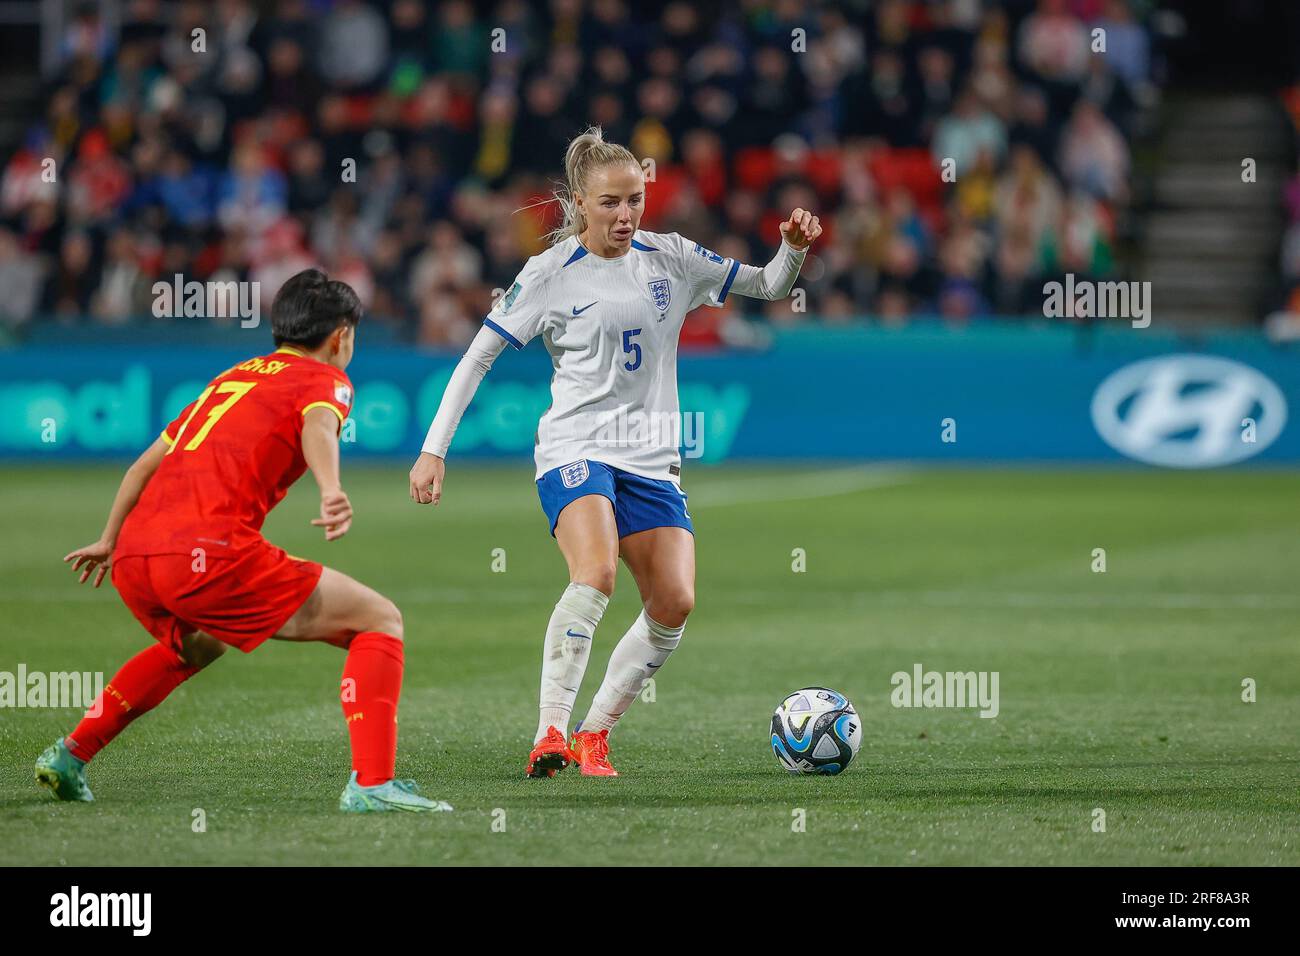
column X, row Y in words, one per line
column 426, row 478
column 801, row 229
column 335, row 514
column 92, row 556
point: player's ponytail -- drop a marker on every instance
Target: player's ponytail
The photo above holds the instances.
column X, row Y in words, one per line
column 586, row 153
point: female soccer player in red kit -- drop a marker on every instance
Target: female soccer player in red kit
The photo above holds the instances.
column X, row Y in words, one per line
column 184, row 544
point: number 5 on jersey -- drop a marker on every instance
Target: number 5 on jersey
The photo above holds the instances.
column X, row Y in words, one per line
column 236, row 391
column 632, row 348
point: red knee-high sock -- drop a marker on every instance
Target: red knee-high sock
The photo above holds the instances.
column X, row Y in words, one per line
column 372, row 683
column 141, row 685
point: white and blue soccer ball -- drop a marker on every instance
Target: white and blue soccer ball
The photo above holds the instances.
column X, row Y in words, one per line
column 816, row 730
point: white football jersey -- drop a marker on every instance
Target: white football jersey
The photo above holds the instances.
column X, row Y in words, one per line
column 611, row 326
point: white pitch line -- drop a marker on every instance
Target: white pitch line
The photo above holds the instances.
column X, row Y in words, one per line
column 710, row 492
column 768, row 489
column 988, row 600
column 1005, row 600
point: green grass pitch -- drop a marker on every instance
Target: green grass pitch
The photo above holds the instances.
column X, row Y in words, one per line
column 1120, row 691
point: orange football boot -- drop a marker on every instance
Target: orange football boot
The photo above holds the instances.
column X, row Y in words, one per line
column 550, row 754
column 590, row 751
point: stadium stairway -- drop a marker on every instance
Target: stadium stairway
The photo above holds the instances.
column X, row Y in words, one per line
column 1210, row 243
column 20, row 78
column 19, row 101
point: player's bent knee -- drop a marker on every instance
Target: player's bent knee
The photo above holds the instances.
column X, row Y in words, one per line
column 388, row 619
column 672, row 609
column 598, row 576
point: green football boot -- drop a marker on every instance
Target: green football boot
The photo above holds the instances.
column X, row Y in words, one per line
column 59, row 772
column 393, row 795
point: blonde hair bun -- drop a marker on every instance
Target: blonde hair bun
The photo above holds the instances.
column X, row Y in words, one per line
column 586, row 153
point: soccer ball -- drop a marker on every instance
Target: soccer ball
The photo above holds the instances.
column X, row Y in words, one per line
column 816, row 730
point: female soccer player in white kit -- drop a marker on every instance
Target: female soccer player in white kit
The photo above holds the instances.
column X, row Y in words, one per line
column 608, row 300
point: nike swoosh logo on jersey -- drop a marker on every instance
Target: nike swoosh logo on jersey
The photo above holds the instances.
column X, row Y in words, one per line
column 569, row 633
column 578, row 311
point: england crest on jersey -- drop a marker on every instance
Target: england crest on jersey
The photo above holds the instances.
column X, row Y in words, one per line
column 574, row 474
column 663, row 293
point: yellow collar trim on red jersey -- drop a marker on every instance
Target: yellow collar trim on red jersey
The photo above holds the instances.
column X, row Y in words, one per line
column 291, row 350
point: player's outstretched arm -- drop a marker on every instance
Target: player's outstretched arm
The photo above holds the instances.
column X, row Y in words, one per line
column 95, row 556
column 320, row 448
column 428, row 470
column 776, row 279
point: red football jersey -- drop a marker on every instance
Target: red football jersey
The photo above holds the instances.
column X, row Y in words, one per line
column 235, row 451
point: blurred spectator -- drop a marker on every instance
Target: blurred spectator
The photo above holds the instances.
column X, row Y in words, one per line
column 20, row 277
column 124, row 290
column 97, row 183
column 24, row 182
column 353, row 45
column 967, row 131
column 1028, row 199
column 1094, row 156
column 68, row 290
column 1053, row 43
column 251, row 197
column 1128, row 47
column 185, row 192
column 86, row 35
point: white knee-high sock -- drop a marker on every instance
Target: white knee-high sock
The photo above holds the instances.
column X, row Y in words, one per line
column 639, row 655
column 564, row 657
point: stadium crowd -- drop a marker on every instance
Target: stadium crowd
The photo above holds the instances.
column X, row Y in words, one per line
column 407, row 147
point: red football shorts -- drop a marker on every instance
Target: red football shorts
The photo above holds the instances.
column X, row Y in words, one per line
column 240, row 600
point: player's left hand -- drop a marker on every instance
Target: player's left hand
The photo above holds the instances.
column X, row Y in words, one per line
column 426, row 478
column 335, row 514
column 93, row 558
column 801, row 229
